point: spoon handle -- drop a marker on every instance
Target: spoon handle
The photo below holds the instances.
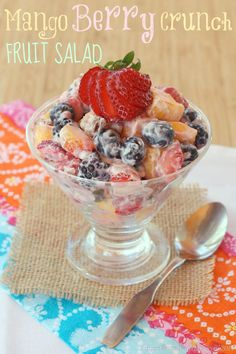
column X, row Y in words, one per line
column 136, row 307
column 154, row 286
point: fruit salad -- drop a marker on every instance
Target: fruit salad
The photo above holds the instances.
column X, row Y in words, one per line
column 114, row 124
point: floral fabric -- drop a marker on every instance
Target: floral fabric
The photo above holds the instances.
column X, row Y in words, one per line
column 82, row 327
column 206, row 327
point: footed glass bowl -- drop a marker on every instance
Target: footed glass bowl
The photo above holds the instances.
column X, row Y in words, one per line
column 118, row 245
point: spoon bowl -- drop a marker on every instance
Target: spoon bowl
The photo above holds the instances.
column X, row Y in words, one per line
column 203, row 231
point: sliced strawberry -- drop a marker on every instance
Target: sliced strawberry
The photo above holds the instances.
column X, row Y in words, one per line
column 124, row 109
column 52, row 151
column 106, row 106
column 121, row 177
column 171, row 160
column 94, row 93
column 177, row 96
column 128, row 206
column 135, row 79
column 133, row 90
column 116, row 95
column 58, row 157
column 85, row 83
column 128, row 102
column 123, row 173
column 131, row 95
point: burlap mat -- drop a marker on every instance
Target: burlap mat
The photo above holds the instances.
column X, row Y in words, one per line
column 37, row 262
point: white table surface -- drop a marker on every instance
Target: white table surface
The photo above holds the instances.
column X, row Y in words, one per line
column 21, row 334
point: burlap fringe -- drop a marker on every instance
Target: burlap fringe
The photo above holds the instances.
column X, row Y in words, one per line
column 38, row 264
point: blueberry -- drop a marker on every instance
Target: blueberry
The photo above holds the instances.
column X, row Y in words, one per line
column 158, row 134
column 108, row 143
column 133, row 151
column 93, row 168
column 202, row 135
column 189, row 115
column 60, row 108
column 190, row 153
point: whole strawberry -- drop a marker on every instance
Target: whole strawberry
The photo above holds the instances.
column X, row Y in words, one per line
column 117, row 91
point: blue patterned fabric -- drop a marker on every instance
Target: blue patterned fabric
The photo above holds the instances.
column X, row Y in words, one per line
column 82, row 327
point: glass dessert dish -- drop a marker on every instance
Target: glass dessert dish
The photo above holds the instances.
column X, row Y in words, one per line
column 118, row 244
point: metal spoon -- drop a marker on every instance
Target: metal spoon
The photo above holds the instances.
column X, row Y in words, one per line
column 199, row 238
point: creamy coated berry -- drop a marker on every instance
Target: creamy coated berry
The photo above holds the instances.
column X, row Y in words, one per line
column 133, row 151
column 108, row 143
column 93, row 168
column 158, row 134
column 189, row 115
column 51, row 151
column 190, row 153
column 58, row 109
column 91, row 124
column 59, row 124
column 202, row 135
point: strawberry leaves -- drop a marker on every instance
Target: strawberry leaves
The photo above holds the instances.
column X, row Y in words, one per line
column 126, row 62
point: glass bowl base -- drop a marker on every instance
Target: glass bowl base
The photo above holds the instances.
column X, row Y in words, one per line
column 120, row 258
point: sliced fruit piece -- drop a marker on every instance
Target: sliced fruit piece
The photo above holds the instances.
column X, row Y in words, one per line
column 42, row 132
column 164, row 107
column 107, row 93
column 108, row 110
column 51, row 151
column 177, row 96
column 95, row 94
column 150, row 162
column 91, row 124
column 122, row 173
column 171, row 160
column 128, row 205
column 135, row 79
column 71, row 165
column 129, row 94
column 125, row 110
column 74, row 140
column 184, row 133
column 85, row 83
column 121, row 177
